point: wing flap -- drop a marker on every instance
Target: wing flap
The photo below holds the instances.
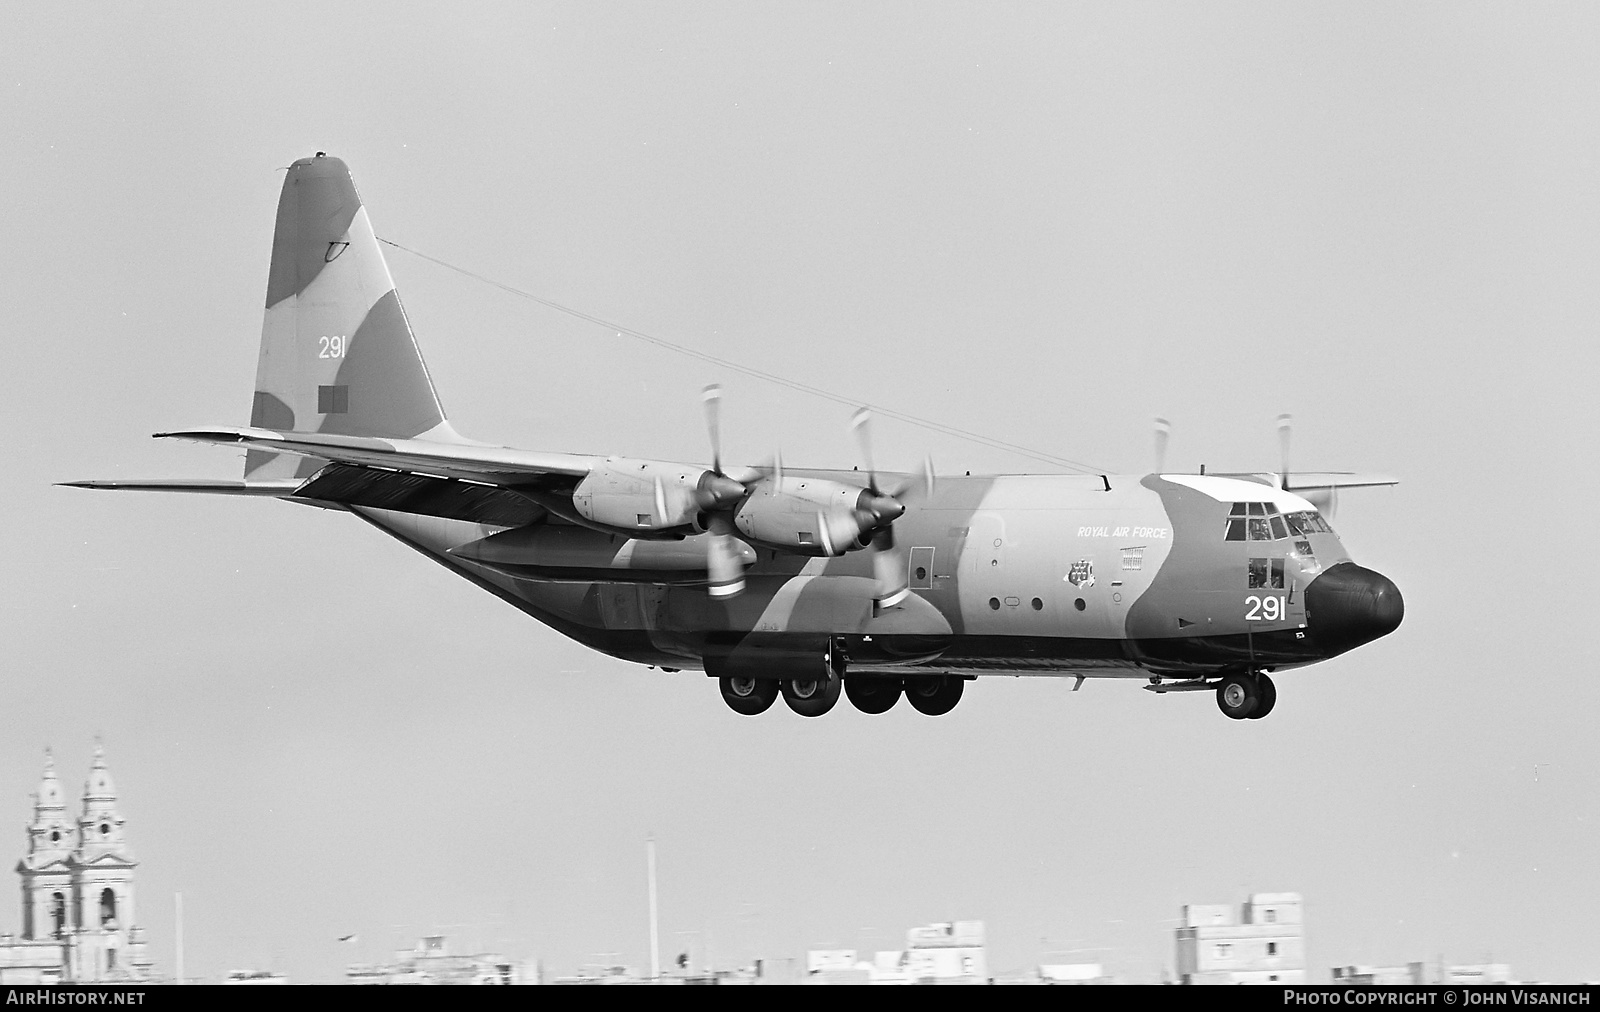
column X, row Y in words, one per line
column 422, row 494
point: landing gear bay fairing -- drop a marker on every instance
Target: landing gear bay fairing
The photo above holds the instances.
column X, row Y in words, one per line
column 804, row 584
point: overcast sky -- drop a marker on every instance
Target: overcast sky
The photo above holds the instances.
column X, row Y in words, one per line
column 1046, row 223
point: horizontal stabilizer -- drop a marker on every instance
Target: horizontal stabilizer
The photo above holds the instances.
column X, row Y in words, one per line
column 276, row 489
column 497, row 465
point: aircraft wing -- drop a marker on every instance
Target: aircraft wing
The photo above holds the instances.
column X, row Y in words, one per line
column 1311, row 481
column 494, row 465
column 1337, row 479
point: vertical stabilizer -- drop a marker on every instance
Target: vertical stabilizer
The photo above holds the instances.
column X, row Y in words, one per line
column 337, row 353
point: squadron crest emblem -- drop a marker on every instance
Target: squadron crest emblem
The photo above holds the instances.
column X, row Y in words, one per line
column 1081, row 574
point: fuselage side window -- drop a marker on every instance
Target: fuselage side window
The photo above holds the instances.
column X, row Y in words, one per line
column 1258, row 573
column 1266, row 574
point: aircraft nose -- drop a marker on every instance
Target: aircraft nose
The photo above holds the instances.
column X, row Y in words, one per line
column 1348, row 605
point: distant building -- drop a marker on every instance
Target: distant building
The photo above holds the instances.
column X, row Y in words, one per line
column 1475, row 974
column 77, row 892
column 950, row 952
column 432, row 963
column 1072, row 973
column 1380, row 976
column 1418, row 973
column 1264, row 943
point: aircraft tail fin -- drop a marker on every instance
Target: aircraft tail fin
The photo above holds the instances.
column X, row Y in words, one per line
column 337, row 352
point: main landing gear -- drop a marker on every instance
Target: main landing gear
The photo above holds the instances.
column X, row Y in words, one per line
column 1246, row 696
column 748, row 696
column 813, row 697
column 934, row 695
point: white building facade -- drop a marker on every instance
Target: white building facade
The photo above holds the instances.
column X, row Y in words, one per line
column 1262, row 943
column 77, row 891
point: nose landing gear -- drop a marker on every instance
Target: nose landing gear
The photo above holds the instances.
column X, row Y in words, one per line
column 1246, row 696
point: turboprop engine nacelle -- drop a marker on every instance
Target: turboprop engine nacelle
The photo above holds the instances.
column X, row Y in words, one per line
column 812, row 516
column 650, row 495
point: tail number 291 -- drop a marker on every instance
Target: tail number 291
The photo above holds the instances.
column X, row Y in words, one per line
column 1264, row 609
column 332, row 347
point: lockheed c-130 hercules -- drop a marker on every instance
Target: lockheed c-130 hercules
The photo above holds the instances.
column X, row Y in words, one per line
column 799, row 583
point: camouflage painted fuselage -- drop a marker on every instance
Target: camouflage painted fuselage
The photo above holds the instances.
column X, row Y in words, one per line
column 1118, row 576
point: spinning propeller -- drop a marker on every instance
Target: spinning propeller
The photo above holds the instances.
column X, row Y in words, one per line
column 1163, row 432
column 1325, row 499
column 876, row 515
column 718, row 492
column 768, row 508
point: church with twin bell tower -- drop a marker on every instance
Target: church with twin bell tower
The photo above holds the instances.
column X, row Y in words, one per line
column 77, row 891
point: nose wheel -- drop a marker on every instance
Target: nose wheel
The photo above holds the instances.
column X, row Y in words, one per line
column 1246, row 696
column 1237, row 696
column 1269, row 696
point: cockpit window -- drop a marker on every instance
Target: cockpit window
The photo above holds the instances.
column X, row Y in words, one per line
column 1307, row 522
column 1255, row 521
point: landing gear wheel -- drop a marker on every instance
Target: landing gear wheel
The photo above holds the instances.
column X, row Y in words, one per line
column 934, row 695
column 872, row 695
column 748, row 696
column 811, row 697
column 1238, row 696
column 1269, row 697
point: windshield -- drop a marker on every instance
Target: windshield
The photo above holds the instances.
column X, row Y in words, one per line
column 1262, row 521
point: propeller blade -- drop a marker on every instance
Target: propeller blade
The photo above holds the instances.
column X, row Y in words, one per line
column 661, row 503
column 1163, row 431
column 722, row 560
column 888, row 572
column 711, row 397
column 860, row 423
column 777, row 469
column 924, row 485
column 1326, row 500
column 1285, row 426
column 824, row 535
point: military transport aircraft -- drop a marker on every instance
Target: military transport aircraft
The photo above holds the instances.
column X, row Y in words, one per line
column 799, row 583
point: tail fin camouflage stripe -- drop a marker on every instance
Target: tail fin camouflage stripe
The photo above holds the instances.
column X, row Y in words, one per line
column 337, row 354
